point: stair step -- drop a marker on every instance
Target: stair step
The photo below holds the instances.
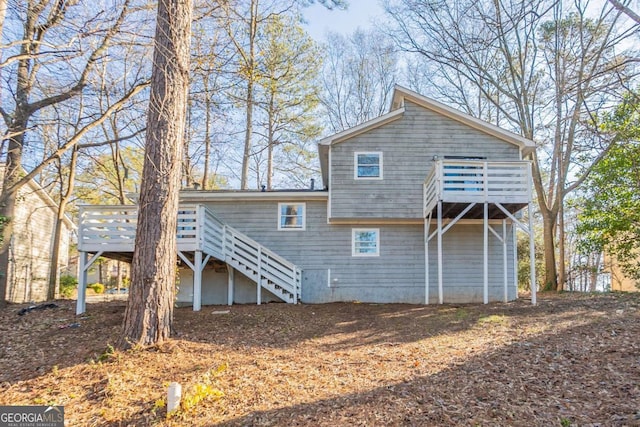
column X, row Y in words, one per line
column 284, row 290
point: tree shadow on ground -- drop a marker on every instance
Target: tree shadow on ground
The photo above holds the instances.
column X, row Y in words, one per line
column 352, row 324
column 33, row 344
column 571, row 376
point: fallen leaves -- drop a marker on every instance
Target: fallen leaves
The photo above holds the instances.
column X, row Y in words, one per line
column 571, row 360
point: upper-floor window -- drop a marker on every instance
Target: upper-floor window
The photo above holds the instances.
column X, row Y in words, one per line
column 368, row 165
column 365, row 242
column 291, row 216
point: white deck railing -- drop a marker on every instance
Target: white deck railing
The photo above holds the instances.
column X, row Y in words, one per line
column 270, row 268
column 469, row 181
column 113, row 229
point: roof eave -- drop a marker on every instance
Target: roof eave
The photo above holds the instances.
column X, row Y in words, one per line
column 222, row 196
column 364, row 127
column 400, row 93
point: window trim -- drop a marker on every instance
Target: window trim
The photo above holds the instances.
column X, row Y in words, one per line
column 304, row 216
column 354, row 253
column 355, row 165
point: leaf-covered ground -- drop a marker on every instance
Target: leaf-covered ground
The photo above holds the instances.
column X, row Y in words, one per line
column 571, row 360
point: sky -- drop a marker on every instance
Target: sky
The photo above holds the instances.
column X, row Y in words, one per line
column 360, row 14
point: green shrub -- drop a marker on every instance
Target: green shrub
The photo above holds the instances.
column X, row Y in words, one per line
column 98, row 288
column 68, row 284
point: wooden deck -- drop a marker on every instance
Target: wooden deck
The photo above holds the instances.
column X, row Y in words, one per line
column 458, row 183
column 110, row 231
column 472, row 190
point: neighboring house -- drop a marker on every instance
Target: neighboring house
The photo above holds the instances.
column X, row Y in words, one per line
column 619, row 281
column 31, row 244
column 418, row 206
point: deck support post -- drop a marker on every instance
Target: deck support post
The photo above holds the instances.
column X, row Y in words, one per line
column 197, row 281
column 427, row 228
column 84, row 263
column 259, row 278
column 440, row 286
column 231, row 284
column 485, row 250
column 81, row 303
column 505, row 264
column 514, row 236
column 532, row 257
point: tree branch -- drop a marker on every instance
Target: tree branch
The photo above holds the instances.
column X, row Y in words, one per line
column 625, row 9
column 74, row 140
column 112, row 141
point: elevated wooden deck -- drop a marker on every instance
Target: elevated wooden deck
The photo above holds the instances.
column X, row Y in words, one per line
column 459, row 183
column 110, row 231
column 470, row 189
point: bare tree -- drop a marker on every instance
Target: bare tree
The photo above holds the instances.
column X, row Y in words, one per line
column 359, row 74
column 149, row 313
column 546, row 67
column 66, row 192
column 243, row 20
column 288, row 90
column 626, row 10
column 212, row 61
column 29, row 68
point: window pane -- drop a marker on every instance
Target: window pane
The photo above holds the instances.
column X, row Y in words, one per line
column 368, row 165
column 362, row 236
column 291, row 216
column 368, row 159
column 365, row 242
column 368, row 171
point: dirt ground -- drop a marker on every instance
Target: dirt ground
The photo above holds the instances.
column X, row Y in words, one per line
column 570, row 360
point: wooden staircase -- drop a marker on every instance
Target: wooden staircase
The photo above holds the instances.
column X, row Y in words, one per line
column 110, row 231
column 263, row 266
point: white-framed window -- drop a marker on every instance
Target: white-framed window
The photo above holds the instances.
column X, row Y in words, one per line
column 292, row 216
column 365, row 242
column 367, row 165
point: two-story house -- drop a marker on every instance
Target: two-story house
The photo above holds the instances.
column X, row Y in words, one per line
column 419, row 205
column 31, row 244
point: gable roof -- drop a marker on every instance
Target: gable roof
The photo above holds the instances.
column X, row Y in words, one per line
column 396, row 110
column 34, row 187
column 401, row 93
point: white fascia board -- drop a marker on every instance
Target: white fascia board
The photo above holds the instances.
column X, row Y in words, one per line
column 49, row 202
column 364, row 127
column 401, row 93
column 214, row 196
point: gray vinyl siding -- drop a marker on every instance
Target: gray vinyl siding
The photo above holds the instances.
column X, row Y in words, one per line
column 331, row 273
column 31, row 247
column 408, row 146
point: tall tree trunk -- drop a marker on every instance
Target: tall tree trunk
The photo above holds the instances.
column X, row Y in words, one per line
column 271, row 142
column 246, row 156
column 594, row 268
column 186, row 160
column 251, row 75
column 548, row 227
column 562, row 272
column 62, row 207
column 270, row 167
column 13, row 167
column 149, row 313
column 207, row 136
column 548, row 233
column 118, row 275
